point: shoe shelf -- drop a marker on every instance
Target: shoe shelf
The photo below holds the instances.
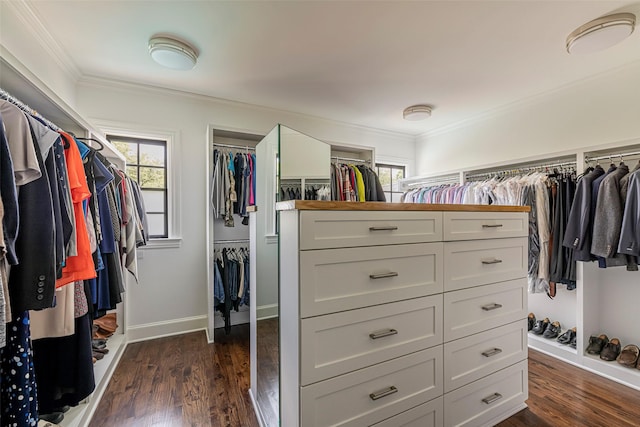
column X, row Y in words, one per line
column 604, row 302
column 552, row 347
column 612, row 370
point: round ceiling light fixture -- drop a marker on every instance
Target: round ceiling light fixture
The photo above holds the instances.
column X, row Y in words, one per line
column 172, row 53
column 601, row 33
column 417, row 112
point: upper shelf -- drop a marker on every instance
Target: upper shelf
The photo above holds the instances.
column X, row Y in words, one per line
column 24, row 85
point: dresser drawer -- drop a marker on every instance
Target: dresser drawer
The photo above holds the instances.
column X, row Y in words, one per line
column 484, row 225
column 338, row 343
column 342, row 229
column 373, row 394
column 480, row 402
column 430, row 414
column 334, row 280
column 478, row 309
column 478, row 262
column 476, row 356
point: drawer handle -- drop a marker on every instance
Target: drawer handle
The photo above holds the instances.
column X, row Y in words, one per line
column 490, row 307
column 382, row 334
column 382, row 393
column 492, row 261
column 489, row 400
column 492, row 352
column 491, row 225
column 383, row 275
column 387, row 228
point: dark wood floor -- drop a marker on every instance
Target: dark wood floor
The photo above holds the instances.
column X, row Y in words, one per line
column 183, row 381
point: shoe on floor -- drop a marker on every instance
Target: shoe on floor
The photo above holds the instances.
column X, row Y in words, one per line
column 43, row 423
column 629, row 355
column 597, row 343
column 552, row 331
column 611, row 350
column 540, row 326
column 567, row 337
column 531, row 321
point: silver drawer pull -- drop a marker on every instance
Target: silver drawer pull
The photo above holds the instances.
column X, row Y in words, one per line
column 491, row 225
column 490, row 307
column 387, row 228
column 382, row 393
column 492, row 261
column 489, row 400
column 383, row 275
column 382, row 334
column 492, row 352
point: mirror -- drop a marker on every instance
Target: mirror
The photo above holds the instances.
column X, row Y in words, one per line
column 290, row 165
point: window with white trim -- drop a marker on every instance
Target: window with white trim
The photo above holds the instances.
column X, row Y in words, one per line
column 390, row 176
column 147, row 164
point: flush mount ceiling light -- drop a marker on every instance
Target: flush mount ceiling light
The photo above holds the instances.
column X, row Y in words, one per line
column 172, row 53
column 417, row 112
column 601, row 33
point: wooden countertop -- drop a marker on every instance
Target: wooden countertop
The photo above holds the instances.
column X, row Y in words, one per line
column 382, row 206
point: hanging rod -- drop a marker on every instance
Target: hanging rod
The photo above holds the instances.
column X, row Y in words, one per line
column 516, row 170
column 221, row 242
column 350, row 160
column 435, row 181
column 24, row 107
column 611, row 156
column 241, row 147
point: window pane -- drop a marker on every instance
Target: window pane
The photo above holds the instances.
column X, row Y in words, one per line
column 156, row 225
column 151, row 178
column 153, row 201
column 152, row 155
column 128, row 149
column 385, row 178
column 387, row 196
column 132, row 171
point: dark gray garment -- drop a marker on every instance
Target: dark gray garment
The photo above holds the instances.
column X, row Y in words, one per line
column 630, row 233
column 578, row 232
column 608, row 215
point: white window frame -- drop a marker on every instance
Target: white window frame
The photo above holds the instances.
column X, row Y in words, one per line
column 174, row 239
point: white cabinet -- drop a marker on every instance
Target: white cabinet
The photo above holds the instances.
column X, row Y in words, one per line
column 385, row 322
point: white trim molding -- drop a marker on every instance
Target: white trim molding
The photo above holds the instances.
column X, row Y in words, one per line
column 165, row 328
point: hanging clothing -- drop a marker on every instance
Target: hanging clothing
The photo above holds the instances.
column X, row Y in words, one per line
column 231, row 281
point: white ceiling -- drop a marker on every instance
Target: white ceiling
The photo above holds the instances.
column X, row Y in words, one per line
column 360, row 62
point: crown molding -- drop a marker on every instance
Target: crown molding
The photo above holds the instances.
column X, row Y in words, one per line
column 31, row 20
column 524, row 102
column 109, row 83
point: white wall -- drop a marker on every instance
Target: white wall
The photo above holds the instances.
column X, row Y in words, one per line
column 18, row 41
column 595, row 112
column 173, row 281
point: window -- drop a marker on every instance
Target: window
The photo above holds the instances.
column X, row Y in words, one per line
column 389, row 178
column 147, row 164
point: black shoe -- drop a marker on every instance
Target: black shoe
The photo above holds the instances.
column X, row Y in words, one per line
column 611, row 350
column 567, row 337
column 531, row 321
column 553, row 330
column 54, row 417
column 540, row 326
column 574, row 341
column 597, row 343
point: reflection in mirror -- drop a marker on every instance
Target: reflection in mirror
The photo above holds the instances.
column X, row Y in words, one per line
column 286, row 159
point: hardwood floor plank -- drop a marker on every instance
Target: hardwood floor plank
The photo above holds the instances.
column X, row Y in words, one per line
column 183, row 381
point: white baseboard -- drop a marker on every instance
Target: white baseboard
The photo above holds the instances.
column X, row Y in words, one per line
column 166, row 328
column 267, row 311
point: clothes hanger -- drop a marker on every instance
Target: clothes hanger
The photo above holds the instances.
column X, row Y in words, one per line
column 94, row 140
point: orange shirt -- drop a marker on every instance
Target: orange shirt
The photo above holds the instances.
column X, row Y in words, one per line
column 81, row 266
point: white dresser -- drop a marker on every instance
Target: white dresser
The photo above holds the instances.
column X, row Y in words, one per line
column 402, row 315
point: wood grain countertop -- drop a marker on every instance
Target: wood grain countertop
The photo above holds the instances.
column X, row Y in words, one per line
column 383, row 206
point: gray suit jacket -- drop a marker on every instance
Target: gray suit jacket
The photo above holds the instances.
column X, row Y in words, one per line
column 608, row 215
column 630, row 234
